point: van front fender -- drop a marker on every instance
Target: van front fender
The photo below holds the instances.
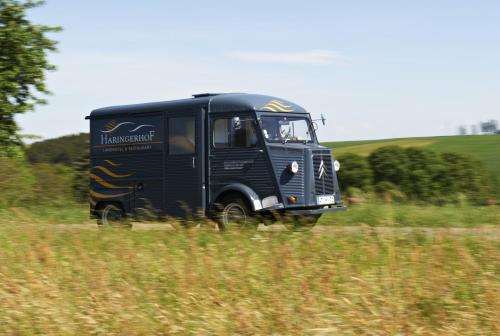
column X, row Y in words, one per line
column 248, row 192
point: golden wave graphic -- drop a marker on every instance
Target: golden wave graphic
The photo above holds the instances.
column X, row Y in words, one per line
column 99, row 195
column 111, row 163
column 105, row 183
column 110, row 173
column 277, row 106
column 110, row 125
column 277, row 102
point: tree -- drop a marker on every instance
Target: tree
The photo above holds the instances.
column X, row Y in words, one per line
column 65, row 149
column 489, row 127
column 23, row 63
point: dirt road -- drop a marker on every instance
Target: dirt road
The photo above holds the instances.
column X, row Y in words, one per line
column 487, row 232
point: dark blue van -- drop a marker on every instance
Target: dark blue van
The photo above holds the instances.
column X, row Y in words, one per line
column 229, row 156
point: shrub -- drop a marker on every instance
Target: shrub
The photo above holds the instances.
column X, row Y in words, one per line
column 355, row 172
column 389, row 164
column 16, row 183
column 423, row 175
column 52, row 183
column 464, row 174
column 389, row 192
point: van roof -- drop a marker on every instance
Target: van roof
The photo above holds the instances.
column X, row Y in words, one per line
column 218, row 102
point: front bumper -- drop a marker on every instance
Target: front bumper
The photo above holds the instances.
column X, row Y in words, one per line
column 314, row 211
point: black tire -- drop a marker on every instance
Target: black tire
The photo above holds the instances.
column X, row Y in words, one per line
column 233, row 212
column 111, row 215
column 300, row 223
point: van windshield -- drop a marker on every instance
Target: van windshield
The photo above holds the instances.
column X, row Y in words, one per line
column 286, row 129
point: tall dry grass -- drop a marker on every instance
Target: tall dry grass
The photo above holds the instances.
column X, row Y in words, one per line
column 200, row 282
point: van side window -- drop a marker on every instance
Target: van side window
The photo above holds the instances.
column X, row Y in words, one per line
column 181, row 136
column 226, row 136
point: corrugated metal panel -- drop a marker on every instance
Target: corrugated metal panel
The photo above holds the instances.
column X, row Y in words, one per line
column 241, row 165
column 290, row 184
column 181, row 182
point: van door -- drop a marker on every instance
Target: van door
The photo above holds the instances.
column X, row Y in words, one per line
column 237, row 156
column 184, row 166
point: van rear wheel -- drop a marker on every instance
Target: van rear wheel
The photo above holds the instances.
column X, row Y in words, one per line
column 111, row 215
column 234, row 213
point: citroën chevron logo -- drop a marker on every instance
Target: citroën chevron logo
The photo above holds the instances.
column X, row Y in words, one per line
column 322, row 171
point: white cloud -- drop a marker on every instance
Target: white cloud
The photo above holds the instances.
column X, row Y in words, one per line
column 309, row 57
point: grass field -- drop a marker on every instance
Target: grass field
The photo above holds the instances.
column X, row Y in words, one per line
column 199, row 282
column 483, row 147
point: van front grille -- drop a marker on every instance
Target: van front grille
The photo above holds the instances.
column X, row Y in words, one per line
column 323, row 172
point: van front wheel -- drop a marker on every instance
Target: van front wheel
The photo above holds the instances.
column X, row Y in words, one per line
column 235, row 213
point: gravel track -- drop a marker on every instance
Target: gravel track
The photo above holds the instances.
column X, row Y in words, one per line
column 487, row 231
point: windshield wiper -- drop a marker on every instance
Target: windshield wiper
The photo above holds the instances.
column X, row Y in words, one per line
column 286, row 137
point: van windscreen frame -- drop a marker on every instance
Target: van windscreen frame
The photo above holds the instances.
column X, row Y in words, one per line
column 297, row 132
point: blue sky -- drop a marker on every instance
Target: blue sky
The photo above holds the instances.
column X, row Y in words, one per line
column 375, row 69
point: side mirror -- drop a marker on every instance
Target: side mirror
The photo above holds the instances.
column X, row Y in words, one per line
column 236, row 123
column 323, row 120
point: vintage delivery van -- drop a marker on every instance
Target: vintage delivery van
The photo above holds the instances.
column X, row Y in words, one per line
column 230, row 156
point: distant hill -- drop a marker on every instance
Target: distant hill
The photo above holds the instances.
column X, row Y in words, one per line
column 65, row 149
column 483, row 147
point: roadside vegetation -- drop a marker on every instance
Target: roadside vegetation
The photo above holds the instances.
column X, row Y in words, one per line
column 196, row 282
column 376, row 213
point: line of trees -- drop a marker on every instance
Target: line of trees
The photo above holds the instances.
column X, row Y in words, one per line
column 486, row 127
column 416, row 175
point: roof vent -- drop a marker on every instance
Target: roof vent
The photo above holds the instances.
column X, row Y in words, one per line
column 201, row 95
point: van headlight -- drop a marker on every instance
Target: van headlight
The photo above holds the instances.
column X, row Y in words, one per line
column 336, row 165
column 293, row 167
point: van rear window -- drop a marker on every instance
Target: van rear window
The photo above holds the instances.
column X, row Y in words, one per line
column 181, row 136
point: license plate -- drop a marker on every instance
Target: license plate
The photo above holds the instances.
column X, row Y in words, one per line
column 326, row 199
